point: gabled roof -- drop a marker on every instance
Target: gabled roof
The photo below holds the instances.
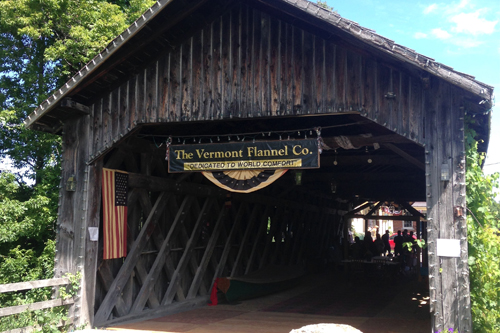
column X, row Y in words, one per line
column 155, row 29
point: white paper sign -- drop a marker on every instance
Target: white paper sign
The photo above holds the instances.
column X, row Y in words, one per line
column 448, row 248
column 94, row 233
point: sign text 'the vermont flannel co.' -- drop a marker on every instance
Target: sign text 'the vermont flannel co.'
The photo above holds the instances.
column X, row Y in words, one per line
column 289, row 154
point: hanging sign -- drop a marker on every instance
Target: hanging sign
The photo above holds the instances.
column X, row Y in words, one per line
column 288, row 154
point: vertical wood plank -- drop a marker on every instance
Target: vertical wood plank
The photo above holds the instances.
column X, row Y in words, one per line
column 353, row 81
column 163, row 83
column 141, row 115
column 320, row 74
column 383, row 87
column 330, row 95
column 275, row 66
column 289, row 81
column 283, row 68
column 403, row 103
column 206, row 73
column 264, row 93
column 256, row 64
column 132, row 101
column 432, row 185
column 396, row 115
column 97, row 127
column 175, row 85
column 217, row 69
column 297, row 70
column 123, row 115
column 236, row 52
column 151, row 93
column 416, row 110
column 91, row 247
column 458, row 166
column 106, row 121
column 114, row 109
column 185, row 80
column 245, row 63
column 308, row 72
column 198, row 76
column 226, row 70
column 369, row 103
column 340, row 79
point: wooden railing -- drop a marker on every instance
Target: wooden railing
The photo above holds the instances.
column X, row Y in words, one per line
column 13, row 287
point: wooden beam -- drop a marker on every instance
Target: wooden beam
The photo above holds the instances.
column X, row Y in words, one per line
column 133, row 257
column 244, row 240
column 360, row 208
column 188, row 253
column 360, row 141
column 387, row 218
column 260, row 233
column 374, row 208
column 73, row 107
column 107, row 279
column 405, row 155
column 198, row 279
column 11, row 310
column 160, row 184
column 410, row 209
column 4, row 288
column 227, row 246
column 155, row 269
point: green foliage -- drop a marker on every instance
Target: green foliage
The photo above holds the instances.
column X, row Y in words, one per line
column 325, row 5
column 74, row 285
column 46, row 321
column 42, row 44
column 484, row 241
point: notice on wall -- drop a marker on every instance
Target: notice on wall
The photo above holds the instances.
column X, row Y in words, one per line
column 262, row 155
column 448, row 248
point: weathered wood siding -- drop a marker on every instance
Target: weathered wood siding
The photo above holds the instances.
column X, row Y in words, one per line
column 446, row 204
column 249, row 64
column 77, row 211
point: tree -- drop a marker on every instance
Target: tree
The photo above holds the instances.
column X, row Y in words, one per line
column 484, row 240
column 42, row 44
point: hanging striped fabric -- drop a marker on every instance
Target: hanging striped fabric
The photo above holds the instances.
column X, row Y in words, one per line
column 114, row 196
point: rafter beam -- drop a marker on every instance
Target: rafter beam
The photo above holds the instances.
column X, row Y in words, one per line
column 405, row 155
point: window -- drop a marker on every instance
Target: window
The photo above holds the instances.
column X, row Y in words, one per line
column 408, row 224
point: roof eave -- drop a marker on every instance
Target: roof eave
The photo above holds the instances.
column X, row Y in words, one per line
column 52, row 102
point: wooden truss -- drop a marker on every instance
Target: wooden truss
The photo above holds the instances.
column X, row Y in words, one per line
column 183, row 235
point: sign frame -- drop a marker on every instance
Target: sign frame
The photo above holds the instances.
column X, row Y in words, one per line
column 266, row 155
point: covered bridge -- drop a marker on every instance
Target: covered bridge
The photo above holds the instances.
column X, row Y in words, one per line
column 388, row 124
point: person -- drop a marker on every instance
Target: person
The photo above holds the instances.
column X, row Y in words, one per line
column 368, row 240
column 357, row 248
column 379, row 245
column 398, row 244
column 387, row 245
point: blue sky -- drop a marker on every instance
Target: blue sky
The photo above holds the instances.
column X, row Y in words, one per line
column 463, row 34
